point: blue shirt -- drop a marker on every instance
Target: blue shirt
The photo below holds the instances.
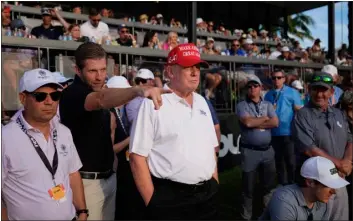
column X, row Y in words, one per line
column 213, row 112
column 285, row 100
column 242, row 52
column 254, row 136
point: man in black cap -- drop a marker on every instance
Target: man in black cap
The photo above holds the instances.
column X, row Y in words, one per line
column 322, row 130
column 47, row 30
column 125, row 38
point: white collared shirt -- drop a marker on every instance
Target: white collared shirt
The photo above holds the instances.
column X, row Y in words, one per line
column 178, row 140
column 26, row 180
column 98, row 33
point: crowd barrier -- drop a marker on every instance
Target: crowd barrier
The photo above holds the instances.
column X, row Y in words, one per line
column 19, row 55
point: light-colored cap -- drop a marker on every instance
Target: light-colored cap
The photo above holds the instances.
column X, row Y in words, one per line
column 199, row 21
column 263, row 31
column 237, row 31
column 324, row 171
column 253, row 78
column 249, row 41
column 285, row 49
column 297, row 84
column 330, row 69
column 159, row 16
column 36, row 78
column 210, row 39
column 61, row 78
column 118, row 82
column 145, row 74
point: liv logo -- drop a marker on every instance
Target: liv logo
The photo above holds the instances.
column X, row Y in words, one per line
column 228, row 145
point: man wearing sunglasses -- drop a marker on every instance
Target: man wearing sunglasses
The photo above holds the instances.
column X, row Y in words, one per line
column 94, row 27
column 322, row 130
column 257, row 117
column 125, row 38
column 84, row 109
column 39, row 157
column 286, row 101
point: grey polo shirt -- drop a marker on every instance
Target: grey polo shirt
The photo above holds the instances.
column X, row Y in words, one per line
column 328, row 131
column 288, row 203
column 252, row 136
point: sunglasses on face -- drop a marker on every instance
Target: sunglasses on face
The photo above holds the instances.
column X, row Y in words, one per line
column 41, row 96
column 325, row 79
column 125, row 31
column 253, row 86
column 277, row 77
column 234, row 45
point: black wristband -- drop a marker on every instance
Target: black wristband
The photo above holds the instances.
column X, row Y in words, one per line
column 78, row 212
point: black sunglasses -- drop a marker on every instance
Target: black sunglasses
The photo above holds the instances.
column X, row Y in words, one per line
column 235, row 45
column 253, row 86
column 41, row 96
column 277, row 77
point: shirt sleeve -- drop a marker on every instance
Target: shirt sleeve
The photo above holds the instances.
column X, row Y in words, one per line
column 213, row 112
column 297, row 101
column 142, row 132
column 280, row 210
column 242, row 110
column 271, row 111
column 34, row 32
column 303, row 132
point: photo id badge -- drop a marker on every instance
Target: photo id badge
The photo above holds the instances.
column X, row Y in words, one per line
column 57, row 193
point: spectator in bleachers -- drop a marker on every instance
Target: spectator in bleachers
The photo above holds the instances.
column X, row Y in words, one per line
column 297, row 47
column 75, row 32
column 172, row 23
column 200, row 24
column 151, row 40
column 277, row 52
column 252, row 33
column 94, row 27
column 332, row 70
column 47, row 30
column 20, row 26
column 275, row 37
column 210, row 27
column 153, row 20
column 285, row 54
column 264, row 34
column 179, row 25
column 316, row 52
column 105, row 13
column 125, row 38
column 5, row 17
column 245, row 49
column 343, row 58
column 233, row 48
column 292, row 56
column 160, row 20
column 111, row 14
column 209, row 48
column 222, row 30
column 238, row 33
column 77, row 10
column 144, row 19
column 171, row 42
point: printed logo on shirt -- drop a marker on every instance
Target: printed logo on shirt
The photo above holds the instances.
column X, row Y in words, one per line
column 203, row 113
column 63, row 151
column 339, row 124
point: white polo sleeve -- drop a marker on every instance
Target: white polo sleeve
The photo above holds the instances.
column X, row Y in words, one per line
column 75, row 162
column 142, row 132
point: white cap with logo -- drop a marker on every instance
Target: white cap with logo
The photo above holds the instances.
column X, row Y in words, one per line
column 330, row 69
column 36, row 78
column 324, row 171
column 61, row 78
column 145, row 74
column 118, row 82
column 297, row 84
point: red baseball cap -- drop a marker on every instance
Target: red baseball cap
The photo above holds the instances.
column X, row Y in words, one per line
column 185, row 55
column 6, row 9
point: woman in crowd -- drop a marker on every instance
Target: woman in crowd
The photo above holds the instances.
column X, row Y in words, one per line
column 151, row 40
column 171, row 42
column 75, row 32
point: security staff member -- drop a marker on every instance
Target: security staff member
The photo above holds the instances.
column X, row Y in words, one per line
column 311, row 198
column 322, row 130
column 84, row 109
column 40, row 178
column 172, row 150
column 286, row 101
column 257, row 117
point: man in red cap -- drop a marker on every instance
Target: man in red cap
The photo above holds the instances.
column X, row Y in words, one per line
column 172, row 150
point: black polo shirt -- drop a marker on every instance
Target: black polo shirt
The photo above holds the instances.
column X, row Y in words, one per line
column 53, row 32
column 90, row 129
column 127, row 43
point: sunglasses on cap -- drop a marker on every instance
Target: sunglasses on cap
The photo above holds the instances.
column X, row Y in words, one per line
column 41, row 96
column 325, row 79
column 277, row 77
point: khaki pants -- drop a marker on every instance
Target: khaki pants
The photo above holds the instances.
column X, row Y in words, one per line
column 100, row 198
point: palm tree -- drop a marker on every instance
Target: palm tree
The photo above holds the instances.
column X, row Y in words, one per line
column 298, row 26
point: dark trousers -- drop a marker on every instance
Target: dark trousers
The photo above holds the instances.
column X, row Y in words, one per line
column 256, row 162
column 285, row 159
column 172, row 200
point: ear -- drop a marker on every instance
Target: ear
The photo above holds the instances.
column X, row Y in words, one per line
column 78, row 71
column 22, row 97
column 169, row 72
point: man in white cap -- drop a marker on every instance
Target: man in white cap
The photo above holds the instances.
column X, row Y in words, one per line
column 298, row 85
column 245, row 49
column 40, row 178
column 144, row 77
column 285, row 54
column 310, row 198
column 332, row 70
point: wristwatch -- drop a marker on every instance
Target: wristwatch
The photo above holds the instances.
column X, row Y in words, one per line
column 78, row 212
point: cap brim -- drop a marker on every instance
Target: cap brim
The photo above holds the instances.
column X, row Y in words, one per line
column 335, row 183
column 253, row 81
column 192, row 62
column 300, row 88
column 320, row 84
column 31, row 89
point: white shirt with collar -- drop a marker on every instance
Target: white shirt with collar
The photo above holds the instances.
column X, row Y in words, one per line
column 98, row 32
column 178, row 140
column 26, row 180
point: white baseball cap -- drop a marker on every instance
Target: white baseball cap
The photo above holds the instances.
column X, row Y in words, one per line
column 285, row 49
column 145, row 74
column 330, row 69
column 61, row 78
column 36, row 78
column 199, row 21
column 210, row 39
column 297, row 84
column 159, row 16
column 324, row 171
column 249, row 41
column 118, row 82
column 253, row 78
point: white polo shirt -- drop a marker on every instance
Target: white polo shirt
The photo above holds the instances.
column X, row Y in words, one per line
column 178, row 140
column 88, row 30
column 26, row 180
